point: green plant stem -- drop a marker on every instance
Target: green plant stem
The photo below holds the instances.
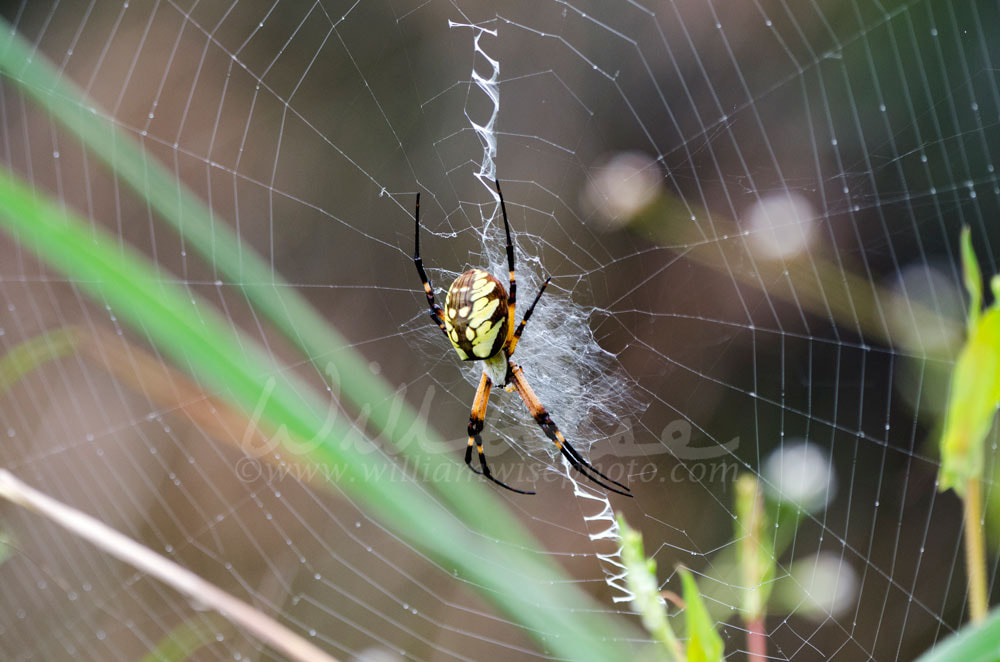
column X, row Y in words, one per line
column 757, row 561
column 667, row 637
column 975, row 550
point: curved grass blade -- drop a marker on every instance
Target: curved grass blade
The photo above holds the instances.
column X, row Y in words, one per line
column 196, row 337
column 386, row 410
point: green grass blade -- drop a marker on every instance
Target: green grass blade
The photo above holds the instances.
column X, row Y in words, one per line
column 32, row 353
column 198, row 339
column 386, row 411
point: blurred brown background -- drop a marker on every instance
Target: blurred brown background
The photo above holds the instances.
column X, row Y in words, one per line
column 636, row 144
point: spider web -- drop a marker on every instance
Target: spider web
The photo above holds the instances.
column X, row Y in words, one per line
column 750, row 213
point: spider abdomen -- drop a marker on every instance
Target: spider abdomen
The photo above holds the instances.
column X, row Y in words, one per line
column 475, row 315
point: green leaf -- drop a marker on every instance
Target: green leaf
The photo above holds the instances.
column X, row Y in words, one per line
column 973, row 277
column 972, row 404
column 704, row 643
column 973, row 643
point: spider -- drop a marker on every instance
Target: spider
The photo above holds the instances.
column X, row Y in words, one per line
column 478, row 320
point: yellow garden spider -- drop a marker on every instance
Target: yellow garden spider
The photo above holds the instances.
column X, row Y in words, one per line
column 478, row 319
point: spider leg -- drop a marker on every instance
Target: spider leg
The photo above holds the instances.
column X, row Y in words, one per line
column 476, row 419
column 437, row 314
column 552, row 432
column 512, row 291
column 520, row 327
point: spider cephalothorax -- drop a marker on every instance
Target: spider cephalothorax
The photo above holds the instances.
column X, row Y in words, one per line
column 478, row 319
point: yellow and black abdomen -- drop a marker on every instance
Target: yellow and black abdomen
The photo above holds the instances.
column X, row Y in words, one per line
column 475, row 315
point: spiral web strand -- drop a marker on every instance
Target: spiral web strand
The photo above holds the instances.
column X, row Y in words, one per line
column 614, row 569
